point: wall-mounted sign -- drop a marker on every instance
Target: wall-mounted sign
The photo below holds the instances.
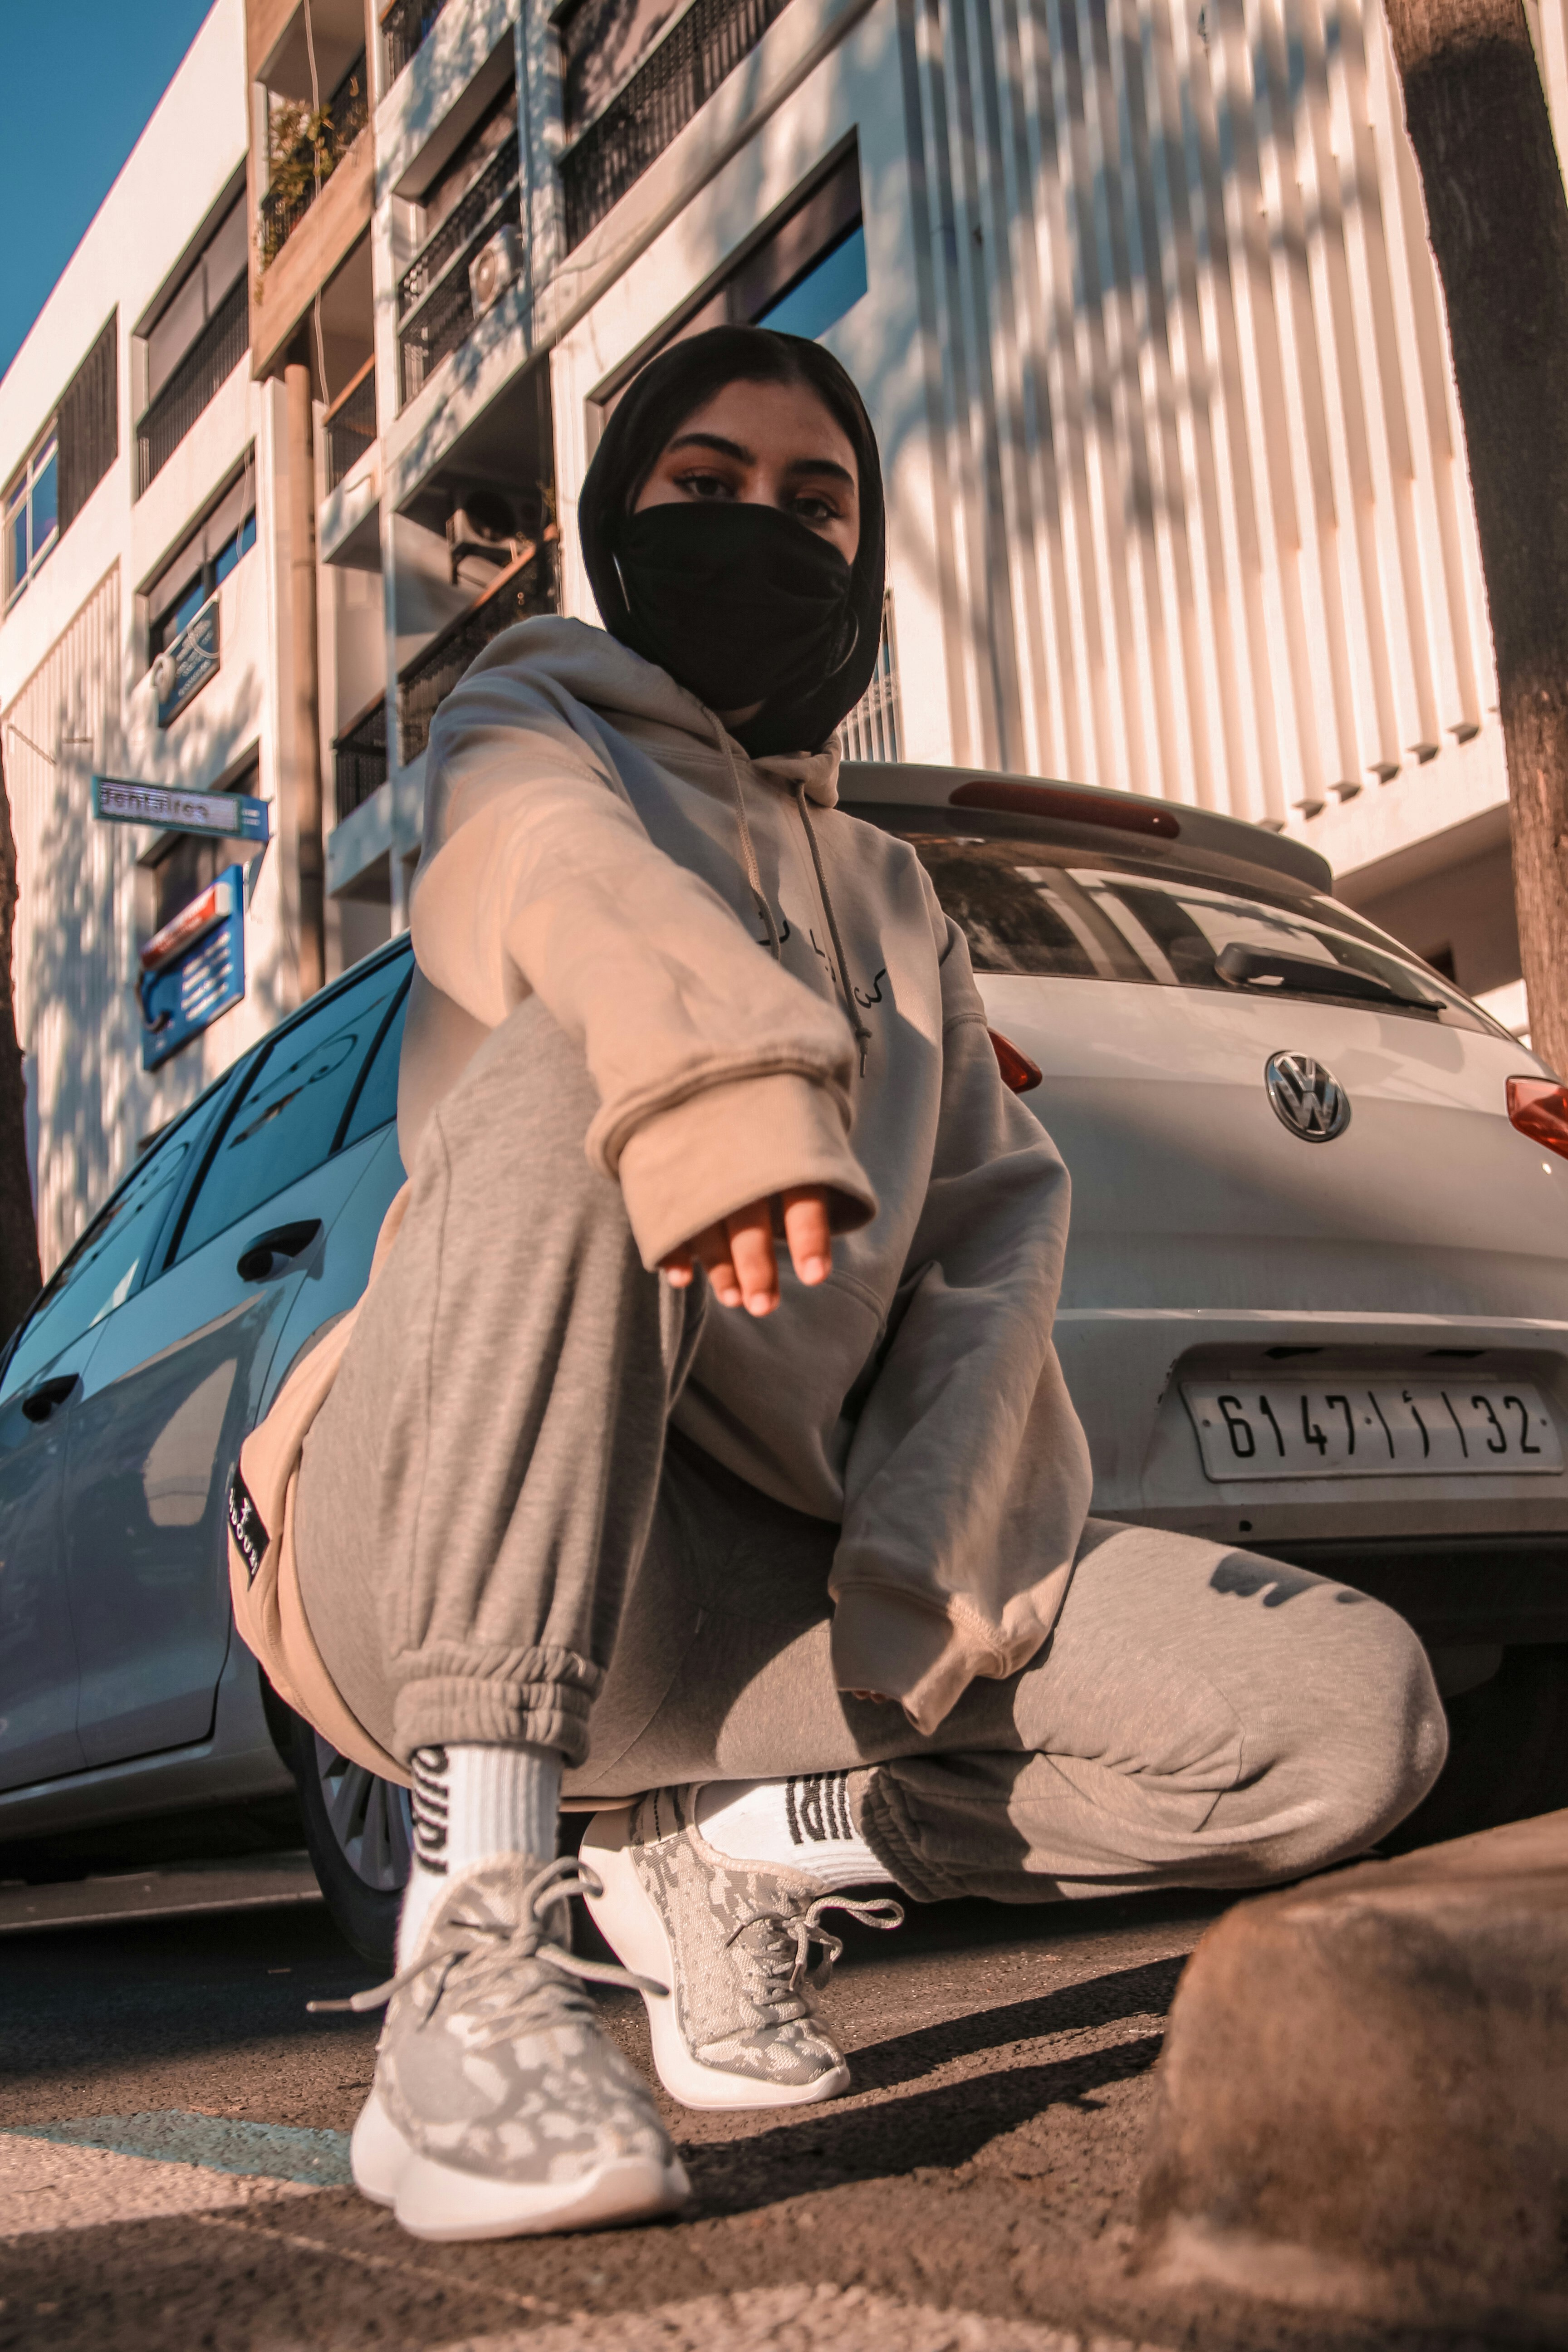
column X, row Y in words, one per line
column 194, row 968
column 187, row 662
column 118, row 802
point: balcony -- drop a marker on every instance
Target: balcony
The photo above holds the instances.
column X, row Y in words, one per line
column 210, row 361
column 359, row 760
column 405, row 28
column 434, row 300
column 661, row 98
column 350, row 427
column 527, row 587
column 306, row 150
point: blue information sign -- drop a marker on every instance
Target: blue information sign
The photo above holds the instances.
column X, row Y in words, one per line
column 194, row 968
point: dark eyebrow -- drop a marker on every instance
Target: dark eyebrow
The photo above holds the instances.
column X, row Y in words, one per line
column 745, row 456
column 714, row 441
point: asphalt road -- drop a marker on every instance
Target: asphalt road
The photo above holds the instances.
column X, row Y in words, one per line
column 172, row 2147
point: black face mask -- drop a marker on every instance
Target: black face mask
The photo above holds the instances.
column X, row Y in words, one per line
column 740, row 604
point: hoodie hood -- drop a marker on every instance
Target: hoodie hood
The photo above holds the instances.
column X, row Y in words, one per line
column 643, row 700
column 676, row 384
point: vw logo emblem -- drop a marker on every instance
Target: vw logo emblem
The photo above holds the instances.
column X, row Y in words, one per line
column 1311, row 1103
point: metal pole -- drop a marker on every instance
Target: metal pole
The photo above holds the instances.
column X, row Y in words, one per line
column 307, row 733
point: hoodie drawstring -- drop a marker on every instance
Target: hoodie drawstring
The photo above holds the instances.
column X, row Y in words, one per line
column 862, row 1034
column 747, row 854
column 753, row 876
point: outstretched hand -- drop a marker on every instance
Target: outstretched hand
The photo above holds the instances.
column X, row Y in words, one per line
column 738, row 1252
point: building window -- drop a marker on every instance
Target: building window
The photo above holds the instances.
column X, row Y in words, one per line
column 197, row 337
column 804, row 271
column 829, row 286
column 203, row 560
column 66, row 463
column 32, row 514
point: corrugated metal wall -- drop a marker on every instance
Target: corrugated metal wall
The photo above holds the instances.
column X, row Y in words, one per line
column 1204, row 531
column 75, row 1012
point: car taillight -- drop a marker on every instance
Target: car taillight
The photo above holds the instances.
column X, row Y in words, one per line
column 1539, row 1108
column 1017, row 1071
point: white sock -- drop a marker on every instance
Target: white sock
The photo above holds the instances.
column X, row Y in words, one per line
column 804, row 1821
column 470, row 1803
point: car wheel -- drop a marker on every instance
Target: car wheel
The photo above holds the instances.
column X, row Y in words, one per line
column 360, row 1837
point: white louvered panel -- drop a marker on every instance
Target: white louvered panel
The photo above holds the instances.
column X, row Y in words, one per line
column 1210, row 534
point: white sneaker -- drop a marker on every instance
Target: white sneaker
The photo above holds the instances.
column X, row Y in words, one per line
column 741, row 2027
column 500, row 2107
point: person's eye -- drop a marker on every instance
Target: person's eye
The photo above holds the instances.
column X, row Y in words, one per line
column 706, row 486
column 811, row 507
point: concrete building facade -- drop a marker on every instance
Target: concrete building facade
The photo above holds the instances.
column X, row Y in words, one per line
column 1138, row 296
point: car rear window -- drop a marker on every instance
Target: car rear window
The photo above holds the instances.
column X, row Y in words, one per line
column 1028, row 904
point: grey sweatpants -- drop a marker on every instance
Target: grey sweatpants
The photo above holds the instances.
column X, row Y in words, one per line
column 498, row 1539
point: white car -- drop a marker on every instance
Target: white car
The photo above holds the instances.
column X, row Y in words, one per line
column 1316, row 1305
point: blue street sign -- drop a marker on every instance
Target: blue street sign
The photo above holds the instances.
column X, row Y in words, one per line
column 194, row 968
column 117, row 801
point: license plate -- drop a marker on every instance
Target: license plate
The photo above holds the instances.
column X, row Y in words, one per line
column 1279, row 1428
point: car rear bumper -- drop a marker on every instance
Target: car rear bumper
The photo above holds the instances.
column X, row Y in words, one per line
column 1124, row 1369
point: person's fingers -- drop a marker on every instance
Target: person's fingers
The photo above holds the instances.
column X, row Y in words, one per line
column 752, row 1253
column 711, row 1250
column 808, row 1233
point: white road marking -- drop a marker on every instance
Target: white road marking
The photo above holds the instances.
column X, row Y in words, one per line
column 45, row 2185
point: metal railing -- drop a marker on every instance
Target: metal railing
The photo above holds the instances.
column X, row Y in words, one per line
column 528, row 586
column 359, row 760
column 458, row 227
column 661, row 98
column 298, row 178
column 351, row 425
column 405, row 28
column 434, row 303
column 210, row 361
column 874, row 728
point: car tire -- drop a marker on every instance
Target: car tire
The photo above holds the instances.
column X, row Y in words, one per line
column 359, row 1837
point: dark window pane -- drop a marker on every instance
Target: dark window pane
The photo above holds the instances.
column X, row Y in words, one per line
column 103, row 1268
column 377, row 1104
column 288, row 1119
column 1028, row 904
column 46, row 504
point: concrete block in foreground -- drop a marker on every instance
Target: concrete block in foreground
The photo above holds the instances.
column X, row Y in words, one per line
column 1363, row 2091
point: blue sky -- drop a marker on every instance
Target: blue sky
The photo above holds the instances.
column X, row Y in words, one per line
column 80, row 83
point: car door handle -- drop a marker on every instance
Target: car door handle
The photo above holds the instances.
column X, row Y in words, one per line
column 40, row 1402
column 254, row 1262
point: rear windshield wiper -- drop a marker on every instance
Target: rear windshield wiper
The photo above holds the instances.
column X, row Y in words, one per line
column 1258, row 969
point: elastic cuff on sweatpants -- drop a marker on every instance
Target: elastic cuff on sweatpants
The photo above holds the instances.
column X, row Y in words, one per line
column 495, row 1698
column 878, row 1811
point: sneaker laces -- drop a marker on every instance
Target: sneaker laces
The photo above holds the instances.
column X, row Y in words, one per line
column 792, row 1934
column 488, row 1946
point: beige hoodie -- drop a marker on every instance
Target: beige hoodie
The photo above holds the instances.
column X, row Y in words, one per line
column 590, row 834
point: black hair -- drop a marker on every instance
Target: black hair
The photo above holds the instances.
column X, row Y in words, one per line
column 681, row 379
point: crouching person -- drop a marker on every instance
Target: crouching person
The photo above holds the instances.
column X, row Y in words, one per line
column 699, row 1458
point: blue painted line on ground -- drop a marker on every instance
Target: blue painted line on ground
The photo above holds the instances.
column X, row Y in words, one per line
column 218, row 2143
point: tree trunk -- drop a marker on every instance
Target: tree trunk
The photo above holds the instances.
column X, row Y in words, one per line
column 19, row 1275
column 1497, row 219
